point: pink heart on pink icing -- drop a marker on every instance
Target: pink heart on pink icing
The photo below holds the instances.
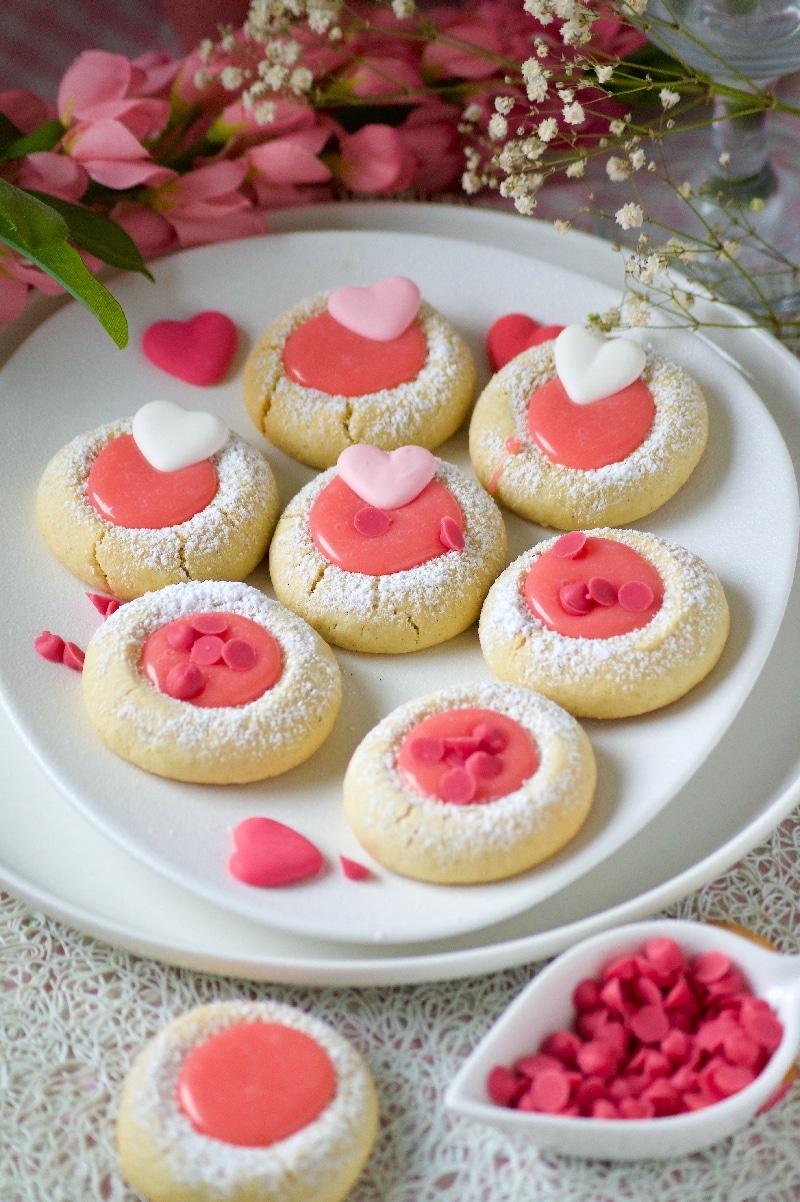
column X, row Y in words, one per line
column 198, row 351
column 269, row 854
column 386, row 479
column 380, row 312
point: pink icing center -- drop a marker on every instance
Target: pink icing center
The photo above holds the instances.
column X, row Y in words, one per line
column 128, row 491
column 229, row 668
column 325, row 355
column 412, row 533
column 586, row 437
column 467, row 756
column 601, row 589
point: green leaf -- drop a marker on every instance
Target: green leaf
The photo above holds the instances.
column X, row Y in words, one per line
column 8, row 131
column 37, row 232
column 43, row 138
column 98, row 234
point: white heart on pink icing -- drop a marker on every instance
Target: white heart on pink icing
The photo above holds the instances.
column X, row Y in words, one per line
column 592, row 367
column 381, row 312
column 386, row 479
column 171, row 437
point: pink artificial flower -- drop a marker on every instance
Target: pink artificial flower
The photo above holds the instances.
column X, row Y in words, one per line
column 287, row 170
column 151, row 231
column 100, row 86
column 236, row 126
column 211, row 96
column 469, row 51
column 113, row 156
column 158, row 68
column 384, row 78
column 615, row 39
column 374, row 160
column 56, row 174
column 206, row 205
column 17, row 277
column 431, row 132
column 25, row 110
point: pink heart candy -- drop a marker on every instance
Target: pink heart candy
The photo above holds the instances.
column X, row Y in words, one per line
column 381, row 312
column 386, row 479
column 269, row 854
column 198, row 351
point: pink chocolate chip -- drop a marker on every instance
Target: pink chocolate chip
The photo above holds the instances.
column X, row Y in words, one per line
column 210, row 623
column 650, row 1024
column 73, row 657
column 207, row 650
column 601, row 591
column 569, row 546
column 372, row 522
column 635, row 596
column 457, row 786
column 239, row 655
column 353, row 870
column 104, row 605
column 490, row 738
column 574, row 598
column 184, row 681
column 49, row 646
column 451, row 535
column 710, row 966
column 181, row 636
column 483, row 766
column 426, row 750
column 549, row 1091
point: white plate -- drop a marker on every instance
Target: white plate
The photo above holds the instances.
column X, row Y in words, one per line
column 102, row 890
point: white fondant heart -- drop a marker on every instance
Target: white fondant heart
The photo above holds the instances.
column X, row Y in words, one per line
column 381, row 312
column 386, row 479
column 592, row 367
column 171, row 437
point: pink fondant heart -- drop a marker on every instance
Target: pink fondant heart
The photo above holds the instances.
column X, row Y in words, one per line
column 381, row 312
column 268, row 854
column 512, row 334
column 198, row 351
column 386, row 479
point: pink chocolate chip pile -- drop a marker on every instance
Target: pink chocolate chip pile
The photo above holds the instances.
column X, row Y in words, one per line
column 468, row 757
column 654, row 1035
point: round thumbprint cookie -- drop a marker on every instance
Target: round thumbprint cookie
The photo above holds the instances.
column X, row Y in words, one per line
column 569, row 455
column 210, row 682
column 609, row 624
column 470, row 784
column 371, row 365
column 246, row 1102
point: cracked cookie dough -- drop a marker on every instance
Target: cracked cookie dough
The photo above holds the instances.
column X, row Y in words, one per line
column 470, row 784
column 609, row 625
column 560, row 486
column 352, row 389
column 210, row 682
column 242, row 1101
column 223, row 534
column 387, row 575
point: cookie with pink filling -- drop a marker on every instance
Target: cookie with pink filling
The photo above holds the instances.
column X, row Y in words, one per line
column 609, row 624
column 371, row 365
column 210, row 682
column 470, row 784
column 243, row 1101
column 169, row 496
column 388, row 552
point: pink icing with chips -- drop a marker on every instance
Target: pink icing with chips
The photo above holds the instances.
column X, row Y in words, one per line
column 654, row 1035
column 467, row 756
column 128, row 491
column 593, row 588
column 589, row 436
column 325, row 355
column 377, row 542
column 212, row 659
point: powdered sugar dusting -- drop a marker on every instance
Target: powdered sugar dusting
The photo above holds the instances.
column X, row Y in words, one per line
column 195, row 1160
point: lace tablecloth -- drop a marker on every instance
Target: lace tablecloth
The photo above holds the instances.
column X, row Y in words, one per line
column 73, row 1012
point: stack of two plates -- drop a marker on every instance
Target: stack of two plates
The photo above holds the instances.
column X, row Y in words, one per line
column 682, row 793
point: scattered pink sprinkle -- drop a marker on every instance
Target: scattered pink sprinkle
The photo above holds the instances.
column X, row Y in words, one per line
column 451, row 535
column 49, row 646
column 73, row 657
column 574, row 598
column 635, row 596
column 569, row 546
column 513, row 446
column 207, row 650
column 209, row 623
column 184, row 681
column 353, row 870
column 239, row 655
column 372, row 522
column 104, row 605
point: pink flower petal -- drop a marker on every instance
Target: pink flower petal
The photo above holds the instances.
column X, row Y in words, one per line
column 374, row 160
column 56, row 174
column 151, row 232
column 248, row 223
column 13, row 298
column 26, row 110
column 94, row 78
column 288, row 161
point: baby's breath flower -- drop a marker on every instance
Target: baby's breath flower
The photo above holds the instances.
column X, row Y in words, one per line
column 576, row 169
column 685, row 190
column 617, row 128
column 228, row 43
column 301, row 80
column 548, row 129
column 566, row 94
column 668, row 98
column 471, row 183
column 636, row 159
column 202, row 79
column 525, row 205
column 504, row 104
column 205, row 50
column 573, row 113
column 498, row 127
column 617, row 169
column 731, row 249
column 264, row 113
column 603, row 73
column 472, row 113
column 231, row 78
column 535, row 78
column 562, row 227
column 403, row 9
column 637, row 311
column 630, row 216
column 725, row 159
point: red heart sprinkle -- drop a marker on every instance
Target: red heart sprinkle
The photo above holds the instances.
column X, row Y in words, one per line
column 514, row 333
column 353, row 870
column 269, row 854
column 49, row 646
column 198, row 351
